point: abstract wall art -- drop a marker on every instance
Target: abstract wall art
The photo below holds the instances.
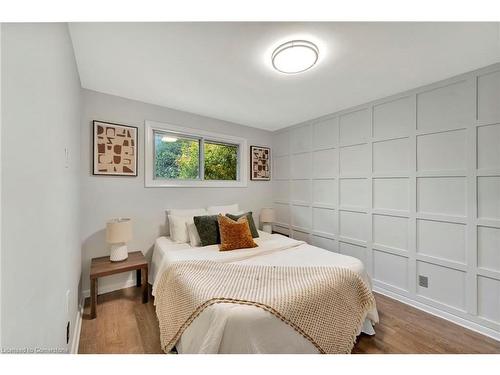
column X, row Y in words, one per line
column 260, row 163
column 115, row 149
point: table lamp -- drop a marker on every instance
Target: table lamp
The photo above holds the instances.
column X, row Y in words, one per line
column 118, row 233
column 267, row 217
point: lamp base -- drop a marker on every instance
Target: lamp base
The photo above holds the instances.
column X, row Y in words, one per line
column 119, row 252
column 267, row 228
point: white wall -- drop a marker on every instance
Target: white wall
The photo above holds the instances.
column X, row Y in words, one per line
column 40, row 191
column 411, row 186
column 105, row 197
column 0, row 183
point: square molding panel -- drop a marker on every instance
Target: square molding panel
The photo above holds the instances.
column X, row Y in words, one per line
column 354, row 192
column 301, row 191
column 281, row 167
column 488, row 97
column 325, row 192
column 445, row 285
column 488, row 197
column 394, row 119
column 354, row 127
column 488, row 298
column 281, row 144
column 448, row 107
column 281, row 191
column 488, row 146
column 390, row 231
column 391, row 156
column 324, row 243
column 354, row 225
column 324, row 220
column 325, row 134
column 441, row 240
column 442, row 195
column 300, row 139
column 282, row 213
column 391, row 194
column 301, row 217
column 300, row 236
column 488, row 248
column 352, row 250
column 390, row 269
column 325, row 163
column 442, row 151
column 301, row 166
column 354, row 160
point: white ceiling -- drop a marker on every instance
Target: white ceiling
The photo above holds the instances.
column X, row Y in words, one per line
column 223, row 70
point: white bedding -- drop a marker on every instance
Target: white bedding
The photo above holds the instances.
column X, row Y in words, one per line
column 228, row 328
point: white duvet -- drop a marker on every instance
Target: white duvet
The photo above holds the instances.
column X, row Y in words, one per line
column 229, row 328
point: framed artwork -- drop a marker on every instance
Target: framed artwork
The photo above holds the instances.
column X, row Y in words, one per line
column 115, row 149
column 260, row 163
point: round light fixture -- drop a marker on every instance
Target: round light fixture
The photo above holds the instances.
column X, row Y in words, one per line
column 168, row 139
column 295, row 56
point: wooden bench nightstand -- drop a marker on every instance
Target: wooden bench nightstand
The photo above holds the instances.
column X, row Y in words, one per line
column 102, row 266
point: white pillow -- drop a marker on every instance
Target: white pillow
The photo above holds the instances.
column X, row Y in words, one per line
column 178, row 229
column 194, row 237
column 229, row 209
column 190, row 212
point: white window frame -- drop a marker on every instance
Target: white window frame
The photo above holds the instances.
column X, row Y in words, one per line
column 149, row 159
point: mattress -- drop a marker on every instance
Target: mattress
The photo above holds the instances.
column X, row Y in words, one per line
column 229, row 328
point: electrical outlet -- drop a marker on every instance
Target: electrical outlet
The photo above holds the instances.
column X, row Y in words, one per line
column 423, row 281
column 67, row 333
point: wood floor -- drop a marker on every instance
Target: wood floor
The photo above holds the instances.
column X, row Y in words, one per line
column 125, row 325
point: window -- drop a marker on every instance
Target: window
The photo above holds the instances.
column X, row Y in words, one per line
column 177, row 156
column 221, row 161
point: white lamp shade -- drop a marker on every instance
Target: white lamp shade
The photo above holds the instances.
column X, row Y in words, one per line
column 119, row 230
column 267, row 215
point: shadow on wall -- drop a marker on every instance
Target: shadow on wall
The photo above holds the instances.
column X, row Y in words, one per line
column 95, row 246
column 92, row 247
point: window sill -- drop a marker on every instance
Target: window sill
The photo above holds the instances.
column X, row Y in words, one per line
column 194, row 184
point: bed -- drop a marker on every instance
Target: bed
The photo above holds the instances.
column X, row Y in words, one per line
column 234, row 328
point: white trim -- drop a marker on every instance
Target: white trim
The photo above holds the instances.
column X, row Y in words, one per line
column 75, row 341
column 481, row 329
column 149, row 180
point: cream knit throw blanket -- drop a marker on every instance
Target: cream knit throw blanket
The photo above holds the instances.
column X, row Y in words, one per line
column 326, row 305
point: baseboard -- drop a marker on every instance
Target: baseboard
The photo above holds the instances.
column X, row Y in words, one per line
column 111, row 287
column 75, row 342
column 441, row 314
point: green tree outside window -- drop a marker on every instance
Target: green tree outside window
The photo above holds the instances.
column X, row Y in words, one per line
column 181, row 159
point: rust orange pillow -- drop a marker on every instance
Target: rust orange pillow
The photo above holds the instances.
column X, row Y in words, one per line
column 235, row 234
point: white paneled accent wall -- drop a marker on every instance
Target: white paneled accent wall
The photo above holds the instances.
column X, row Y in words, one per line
column 410, row 185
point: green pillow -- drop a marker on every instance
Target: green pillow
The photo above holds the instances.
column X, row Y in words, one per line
column 208, row 229
column 251, row 223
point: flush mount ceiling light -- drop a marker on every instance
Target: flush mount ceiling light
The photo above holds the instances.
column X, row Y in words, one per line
column 169, row 139
column 295, row 56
